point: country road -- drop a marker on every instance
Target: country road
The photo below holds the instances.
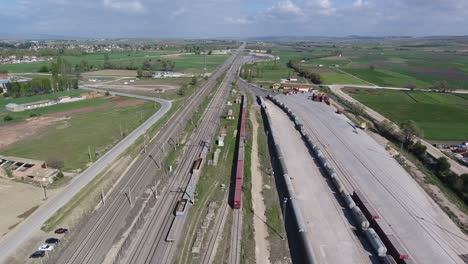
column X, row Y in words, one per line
column 33, row 223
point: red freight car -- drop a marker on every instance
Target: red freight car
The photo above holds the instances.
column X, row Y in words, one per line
column 365, row 206
column 240, row 169
column 238, row 194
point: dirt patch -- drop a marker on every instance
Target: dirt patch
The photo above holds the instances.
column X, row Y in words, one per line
column 128, row 103
column 262, row 245
column 112, row 73
column 444, row 73
column 28, row 128
column 19, row 200
column 33, row 126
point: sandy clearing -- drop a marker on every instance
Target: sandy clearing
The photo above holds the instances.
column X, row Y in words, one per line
column 17, row 201
column 262, row 246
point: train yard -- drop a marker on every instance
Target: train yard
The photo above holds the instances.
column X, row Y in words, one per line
column 162, row 231
column 395, row 216
column 326, row 222
column 95, row 240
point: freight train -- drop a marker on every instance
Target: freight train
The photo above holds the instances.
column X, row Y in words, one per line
column 378, row 232
column 240, row 157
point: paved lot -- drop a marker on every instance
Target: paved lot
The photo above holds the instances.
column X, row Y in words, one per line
column 328, row 230
column 425, row 230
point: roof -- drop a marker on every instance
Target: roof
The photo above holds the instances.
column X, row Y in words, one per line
column 37, row 102
column 4, row 76
column 297, row 85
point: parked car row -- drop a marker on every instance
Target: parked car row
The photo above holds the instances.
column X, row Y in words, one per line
column 49, row 244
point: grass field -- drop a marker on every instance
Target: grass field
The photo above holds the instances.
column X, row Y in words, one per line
column 442, row 117
column 70, row 139
column 397, row 66
column 187, row 63
column 17, row 116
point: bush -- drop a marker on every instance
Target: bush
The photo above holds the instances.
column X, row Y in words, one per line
column 419, row 150
column 55, row 162
column 7, row 118
column 60, row 175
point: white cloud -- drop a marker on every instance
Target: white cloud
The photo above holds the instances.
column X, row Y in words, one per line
column 284, row 10
column 237, row 21
column 132, row 6
column 178, row 12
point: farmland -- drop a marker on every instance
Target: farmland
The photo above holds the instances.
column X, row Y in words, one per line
column 71, row 134
column 185, row 63
column 385, row 63
column 441, row 116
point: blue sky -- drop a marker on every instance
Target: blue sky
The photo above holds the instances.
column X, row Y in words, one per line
column 232, row 18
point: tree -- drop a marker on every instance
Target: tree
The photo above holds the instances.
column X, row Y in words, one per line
column 43, row 68
column 409, row 130
column 194, row 80
column 357, row 109
column 385, row 128
column 55, row 162
column 411, row 85
column 372, row 67
column 3, row 71
column 7, row 118
column 442, row 86
column 442, row 166
column 268, row 51
column 419, row 150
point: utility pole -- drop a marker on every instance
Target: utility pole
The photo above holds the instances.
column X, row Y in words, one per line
column 285, row 201
column 89, row 153
column 44, row 191
column 129, row 197
column 102, row 197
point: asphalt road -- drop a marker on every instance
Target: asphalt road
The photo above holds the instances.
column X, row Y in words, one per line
column 33, row 223
column 328, row 228
column 424, row 229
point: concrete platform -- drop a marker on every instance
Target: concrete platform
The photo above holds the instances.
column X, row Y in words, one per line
column 426, row 231
column 328, row 230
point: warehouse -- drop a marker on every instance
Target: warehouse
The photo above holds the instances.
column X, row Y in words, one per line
column 25, row 169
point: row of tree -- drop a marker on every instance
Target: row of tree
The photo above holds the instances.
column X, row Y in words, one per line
column 63, row 77
column 440, row 167
column 146, row 65
column 38, row 86
column 305, row 72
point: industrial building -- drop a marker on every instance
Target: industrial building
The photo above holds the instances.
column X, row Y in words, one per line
column 27, row 169
column 298, row 87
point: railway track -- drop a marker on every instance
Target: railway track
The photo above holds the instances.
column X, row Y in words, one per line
column 425, row 220
column 236, row 237
column 151, row 246
column 95, row 239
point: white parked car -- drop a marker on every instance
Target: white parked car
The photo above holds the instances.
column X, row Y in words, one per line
column 46, row 247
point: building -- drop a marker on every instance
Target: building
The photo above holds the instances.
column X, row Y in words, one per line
column 12, row 107
column 298, row 87
column 91, row 95
column 27, row 169
column 4, row 79
column 276, row 86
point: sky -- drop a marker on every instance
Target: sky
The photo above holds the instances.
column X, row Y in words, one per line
column 232, row 18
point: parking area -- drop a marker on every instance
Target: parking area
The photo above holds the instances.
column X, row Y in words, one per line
column 424, row 229
column 328, row 228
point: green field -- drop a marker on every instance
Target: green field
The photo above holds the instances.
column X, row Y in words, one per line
column 18, row 116
column 189, row 63
column 442, row 117
column 396, row 66
column 70, row 139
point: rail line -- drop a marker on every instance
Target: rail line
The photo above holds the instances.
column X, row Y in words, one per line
column 152, row 248
column 96, row 232
column 394, row 189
